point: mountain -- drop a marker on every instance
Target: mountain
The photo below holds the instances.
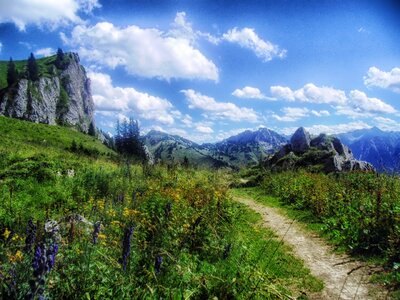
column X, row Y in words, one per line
column 322, row 153
column 60, row 95
column 164, row 147
column 381, row 148
column 246, row 148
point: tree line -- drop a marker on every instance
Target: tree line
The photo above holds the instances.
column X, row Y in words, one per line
column 31, row 71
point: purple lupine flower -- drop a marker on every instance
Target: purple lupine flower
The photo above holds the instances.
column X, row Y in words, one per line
column 51, row 253
column 30, row 236
column 157, row 264
column 227, row 251
column 96, row 231
column 126, row 246
column 168, row 209
column 39, row 261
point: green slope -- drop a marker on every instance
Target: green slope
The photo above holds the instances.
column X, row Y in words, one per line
column 43, row 63
column 23, row 139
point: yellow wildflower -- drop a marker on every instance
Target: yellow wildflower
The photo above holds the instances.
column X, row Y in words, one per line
column 115, row 223
column 112, row 213
column 129, row 212
column 100, row 204
column 17, row 257
column 102, row 236
column 6, row 233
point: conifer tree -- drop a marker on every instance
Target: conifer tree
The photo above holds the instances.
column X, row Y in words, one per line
column 33, row 69
column 60, row 59
column 12, row 75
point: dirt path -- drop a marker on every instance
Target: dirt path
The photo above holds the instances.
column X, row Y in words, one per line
column 343, row 277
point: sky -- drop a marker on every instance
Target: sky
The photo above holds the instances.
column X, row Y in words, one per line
column 206, row 70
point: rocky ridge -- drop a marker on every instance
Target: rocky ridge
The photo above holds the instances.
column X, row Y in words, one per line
column 59, row 96
column 323, row 153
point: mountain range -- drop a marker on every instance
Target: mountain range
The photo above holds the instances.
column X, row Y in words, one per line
column 380, row 148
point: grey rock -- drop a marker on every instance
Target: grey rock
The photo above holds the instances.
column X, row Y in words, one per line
column 326, row 152
column 300, row 141
column 37, row 101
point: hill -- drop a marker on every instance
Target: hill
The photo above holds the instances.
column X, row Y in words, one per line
column 60, row 94
column 244, row 149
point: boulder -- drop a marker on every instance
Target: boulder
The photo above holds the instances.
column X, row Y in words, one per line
column 300, row 141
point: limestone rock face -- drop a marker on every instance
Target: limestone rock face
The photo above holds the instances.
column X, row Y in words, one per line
column 300, row 140
column 324, row 152
column 61, row 98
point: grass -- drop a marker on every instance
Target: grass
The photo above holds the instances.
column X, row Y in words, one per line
column 43, row 65
column 209, row 246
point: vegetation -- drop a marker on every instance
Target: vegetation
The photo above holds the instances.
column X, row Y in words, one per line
column 32, row 68
column 12, row 75
column 127, row 140
column 359, row 212
column 79, row 225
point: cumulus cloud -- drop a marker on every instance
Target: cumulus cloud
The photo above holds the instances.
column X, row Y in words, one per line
column 249, row 92
column 329, row 129
column 387, row 124
column 219, row 110
column 248, row 38
column 204, row 129
column 310, row 93
column 146, row 52
column 53, row 13
column 113, row 100
column 291, row 114
column 386, row 80
column 360, row 105
column 45, row 52
column 321, row 113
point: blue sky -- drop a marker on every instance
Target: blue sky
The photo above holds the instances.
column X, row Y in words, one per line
column 208, row 69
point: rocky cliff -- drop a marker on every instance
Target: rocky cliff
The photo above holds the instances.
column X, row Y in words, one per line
column 61, row 95
column 322, row 153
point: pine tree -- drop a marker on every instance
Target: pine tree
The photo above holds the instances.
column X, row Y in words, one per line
column 127, row 140
column 12, row 75
column 60, row 59
column 33, row 69
column 92, row 129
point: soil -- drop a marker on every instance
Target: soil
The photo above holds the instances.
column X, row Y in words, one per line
column 343, row 276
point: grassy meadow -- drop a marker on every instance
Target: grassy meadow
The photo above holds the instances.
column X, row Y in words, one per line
column 81, row 222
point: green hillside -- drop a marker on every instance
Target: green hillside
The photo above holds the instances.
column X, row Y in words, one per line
column 163, row 232
column 43, row 64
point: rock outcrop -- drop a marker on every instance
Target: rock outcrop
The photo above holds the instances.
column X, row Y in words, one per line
column 62, row 96
column 323, row 153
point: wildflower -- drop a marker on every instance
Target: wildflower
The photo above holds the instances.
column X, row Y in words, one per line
column 112, row 213
column 6, row 233
column 157, row 264
column 129, row 212
column 102, row 236
column 42, row 263
column 17, row 257
column 227, row 251
column 126, row 246
column 30, row 236
column 96, row 231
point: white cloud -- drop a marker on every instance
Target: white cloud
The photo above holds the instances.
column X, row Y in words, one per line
column 387, row 124
column 386, row 80
column 310, row 93
column 1, row 47
column 146, row 52
column 248, row 38
column 359, row 105
column 329, row 129
column 292, row 114
column 321, row 113
column 52, row 13
column 249, row 92
column 112, row 100
column 204, row 129
column 219, row 110
column 45, row 52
